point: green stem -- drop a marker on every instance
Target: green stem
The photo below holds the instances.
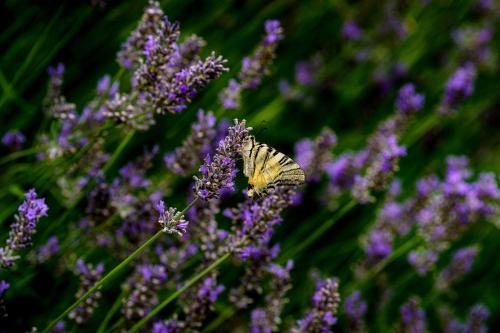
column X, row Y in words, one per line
column 114, row 272
column 19, row 154
column 318, row 232
column 227, row 313
column 178, row 292
column 118, row 150
column 111, row 312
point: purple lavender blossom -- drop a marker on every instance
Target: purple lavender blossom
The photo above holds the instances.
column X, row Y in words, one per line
column 460, row 264
column 408, row 100
column 47, row 251
column 21, row 232
column 168, row 326
column 258, row 259
column 422, row 260
column 59, row 327
column 412, row 317
column 355, row 309
column 199, row 302
column 230, row 97
column 351, row 31
column 13, row 140
column 197, row 145
column 89, row 275
column 143, row 287
column 325, row 302
column 4, row 285
column 55, row 103
column 133, row 48
column 382, row 166
column 378, row 245
column 256, row 66
column 314, row 156
column 476, row 322
column 219, row 171
column 268, row 319
column 170, row 220
column 459, row 86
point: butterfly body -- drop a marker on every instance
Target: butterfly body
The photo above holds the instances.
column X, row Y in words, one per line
column 267, row 168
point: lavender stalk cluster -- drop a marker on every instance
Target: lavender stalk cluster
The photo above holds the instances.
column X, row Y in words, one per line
column 460, row 264
column 475, row 322
column 167, row 75
column 205, row 230
column 441, row 212
column 371, row 169
column 219, row 171
column 13, row 140
column 48, row 250
column 22, row 230
column 257, row 259
column 474, row 42
column 355, row 309
column 412, row 317
column 325, row 302
column 313, row 156
column 254, row 67
column 89, row 275
column 268, row 319
column 143, row 287
column 199, row 302
column 170, row 220
column 196, row 146
column 459, row 86
column 55, row 102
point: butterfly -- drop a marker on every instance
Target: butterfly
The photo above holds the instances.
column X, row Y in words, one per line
column 267, row 168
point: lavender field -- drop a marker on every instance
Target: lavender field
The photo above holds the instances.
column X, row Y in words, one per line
column 250, row 166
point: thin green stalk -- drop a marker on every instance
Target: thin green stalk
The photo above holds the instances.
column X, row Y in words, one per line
column 114, row 271
column 318, row 232
column 119, row 150
column 111, row 312
column 227, row 313
column 370, row 275
column 18, row 154
column 178, row 292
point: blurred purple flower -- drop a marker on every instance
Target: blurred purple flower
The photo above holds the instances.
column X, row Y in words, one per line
column 143, row 287
column 355, row 309
column 408, row 100
column 89, row 275
column 321, row 316
column 413, row 317
column 351, row 30
column 459, row 86
column 13, row 140
column 197, row 145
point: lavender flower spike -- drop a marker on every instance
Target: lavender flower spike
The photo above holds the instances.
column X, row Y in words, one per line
column 29, row 213
column 170, row 220
column 413, row 317
column 325, row 302
column 458, row 86
column 13, row 140
column 219, row 171
column 408, row 100
column 460, row 264
column 88, row 278
column 477, row 316
column 254, row 67
column 355, row 308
